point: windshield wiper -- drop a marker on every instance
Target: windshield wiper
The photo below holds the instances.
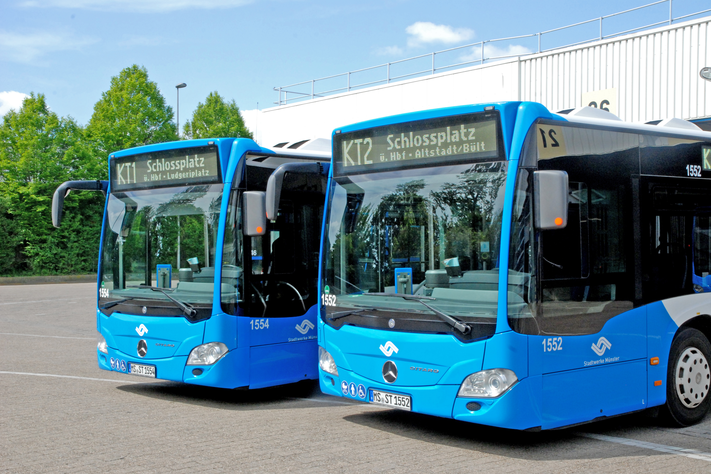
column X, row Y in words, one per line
column 464, row 328
column 343, row 314
column 188, row 310
column 111, row 304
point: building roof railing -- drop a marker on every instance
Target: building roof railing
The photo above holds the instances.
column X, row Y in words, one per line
column 439, row 61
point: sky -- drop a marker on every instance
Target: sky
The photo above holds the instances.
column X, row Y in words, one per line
column 69, row 50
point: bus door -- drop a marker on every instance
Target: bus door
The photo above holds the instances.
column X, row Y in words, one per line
column 590, row 343
column 675, row 238
column 282, row 286
column 701, row 252
column 675, row 221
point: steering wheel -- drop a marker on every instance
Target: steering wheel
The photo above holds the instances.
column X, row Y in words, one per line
column 301, row 298
column 261, row 298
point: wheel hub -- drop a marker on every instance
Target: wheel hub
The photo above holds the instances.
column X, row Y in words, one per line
column 693, row 377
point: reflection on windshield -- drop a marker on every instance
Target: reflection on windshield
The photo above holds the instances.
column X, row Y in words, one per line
column 432, row 232
column 162, row 238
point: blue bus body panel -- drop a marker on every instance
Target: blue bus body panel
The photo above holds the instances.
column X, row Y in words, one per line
column 281, row 330
column 166, row 337
column 626, row 340
column 169, row 342
column 582, row 395
column 223, row 328
column 280, row 364
column 595, row 375
column 507, row 350
column 364, row 351
column 285, row 352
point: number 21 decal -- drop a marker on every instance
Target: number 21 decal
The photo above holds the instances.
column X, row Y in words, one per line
column 551, row 141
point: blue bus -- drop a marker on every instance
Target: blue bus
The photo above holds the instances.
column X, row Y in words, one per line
column 508, row 266
column 208, row 264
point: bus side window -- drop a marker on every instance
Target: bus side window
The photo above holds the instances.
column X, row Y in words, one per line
column 565, row 251
column 585, row 276
column 702, row 254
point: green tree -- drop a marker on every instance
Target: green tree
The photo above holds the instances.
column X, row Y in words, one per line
column 216, row 119
column 38, row 151
column 131, row 113
column 10, row 249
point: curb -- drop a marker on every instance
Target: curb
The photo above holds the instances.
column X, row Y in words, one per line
column 47, row 280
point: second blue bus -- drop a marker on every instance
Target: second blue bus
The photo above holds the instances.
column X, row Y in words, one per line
column 504, row 265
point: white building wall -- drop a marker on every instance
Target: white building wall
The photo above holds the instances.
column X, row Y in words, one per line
column 646, row 76
column 654, row 75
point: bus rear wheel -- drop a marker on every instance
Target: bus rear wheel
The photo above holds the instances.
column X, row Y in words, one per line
column 688, row 378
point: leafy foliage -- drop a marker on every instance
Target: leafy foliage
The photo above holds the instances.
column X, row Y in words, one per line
column 131, row 113
column 38, row 151
column 9, row 238
column 216, row 119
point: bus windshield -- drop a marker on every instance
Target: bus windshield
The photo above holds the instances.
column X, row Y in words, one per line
column 159, row 247
column 428, row 235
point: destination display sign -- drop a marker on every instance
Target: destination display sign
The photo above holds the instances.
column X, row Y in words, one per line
column 447, row 140
column 177, row 167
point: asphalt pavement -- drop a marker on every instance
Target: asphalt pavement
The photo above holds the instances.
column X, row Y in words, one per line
column 60, row 413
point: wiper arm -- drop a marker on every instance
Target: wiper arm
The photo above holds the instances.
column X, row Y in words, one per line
column 111, row 304
column 188, row 310
column 464, row 328
column 343, row 314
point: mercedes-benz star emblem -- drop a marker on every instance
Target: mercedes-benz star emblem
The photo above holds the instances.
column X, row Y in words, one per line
column 142, row 348
column 389, row 371
column 144, row 310
column 391, row 323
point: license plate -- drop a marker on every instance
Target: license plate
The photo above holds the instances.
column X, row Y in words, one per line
column 142, row 370
column 401, row 402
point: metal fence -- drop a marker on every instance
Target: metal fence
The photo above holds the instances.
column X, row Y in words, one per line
column 452, row 58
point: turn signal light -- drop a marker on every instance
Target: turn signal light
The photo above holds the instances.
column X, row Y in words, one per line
column 654, row 361
column 657, row 383
column 559, row 221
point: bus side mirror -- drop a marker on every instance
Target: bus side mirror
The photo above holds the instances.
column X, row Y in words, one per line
column 63, row 190
column 551, row 199
column 254, row 213
column 276, row 181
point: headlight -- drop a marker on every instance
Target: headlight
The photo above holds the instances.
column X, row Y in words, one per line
column 207, row 354
column 326, row 362
column 101, row 344
column 487, row 383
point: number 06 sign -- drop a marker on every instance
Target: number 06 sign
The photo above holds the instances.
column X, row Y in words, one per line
column 603, row 99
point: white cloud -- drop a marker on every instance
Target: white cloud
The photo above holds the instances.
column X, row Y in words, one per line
column 141, row 6
column 390, row 51
column 11, row 100
column 26, row 48
column 492, row 52
column 425, row 33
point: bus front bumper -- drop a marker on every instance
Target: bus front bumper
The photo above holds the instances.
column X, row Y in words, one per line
column 515, row 409
column 221, row 374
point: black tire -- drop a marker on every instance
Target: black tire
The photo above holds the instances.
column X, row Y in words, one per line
column 688, row 378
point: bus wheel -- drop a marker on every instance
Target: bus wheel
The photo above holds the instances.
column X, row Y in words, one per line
column 688, row 378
